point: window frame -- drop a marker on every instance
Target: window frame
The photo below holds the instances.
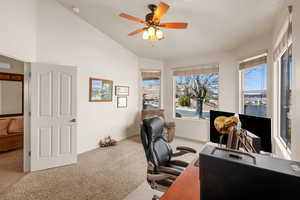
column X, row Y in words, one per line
column 278, row 106
column 243, row 91
column 160, row 86
column 174, row 96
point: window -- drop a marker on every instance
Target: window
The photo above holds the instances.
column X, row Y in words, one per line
column 196, row 92
column 151, row 90
column 285, row 96
column 283, row 60
column 254, row 87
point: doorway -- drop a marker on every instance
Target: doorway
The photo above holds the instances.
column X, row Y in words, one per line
column 11, row 121
column 38, row 111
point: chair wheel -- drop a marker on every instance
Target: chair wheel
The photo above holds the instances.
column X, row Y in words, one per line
column 155, row 197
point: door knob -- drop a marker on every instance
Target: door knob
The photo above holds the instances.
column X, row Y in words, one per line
column 73, row 120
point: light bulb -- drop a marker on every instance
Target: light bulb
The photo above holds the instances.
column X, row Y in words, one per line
column 151, row 31
column 145, row 35
column 159, row 34
column 153, row 38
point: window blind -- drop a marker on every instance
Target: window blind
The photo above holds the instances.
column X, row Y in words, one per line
column 254, row 62
column 195, row 71
column 151, row 75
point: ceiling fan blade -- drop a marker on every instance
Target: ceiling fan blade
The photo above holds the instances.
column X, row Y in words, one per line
column 136, row 32
column 160, row 11
column 175, row 25
column 129, row 17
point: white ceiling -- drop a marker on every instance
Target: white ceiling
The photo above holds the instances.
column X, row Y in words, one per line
column 214, row 25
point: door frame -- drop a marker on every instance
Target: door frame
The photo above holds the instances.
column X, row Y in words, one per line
column 26, row 117
column 26, row 113
column 26, row 132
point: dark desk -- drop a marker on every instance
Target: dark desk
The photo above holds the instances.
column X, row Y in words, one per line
column 186, row 186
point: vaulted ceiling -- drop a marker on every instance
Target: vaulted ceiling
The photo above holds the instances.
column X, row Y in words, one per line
column 214, row 25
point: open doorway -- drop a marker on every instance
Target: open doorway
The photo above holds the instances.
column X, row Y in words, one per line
column 11, row 121
column 38, row 128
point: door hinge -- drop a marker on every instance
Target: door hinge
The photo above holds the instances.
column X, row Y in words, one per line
column 29, row 75
column 29, row 153
column 29, row 114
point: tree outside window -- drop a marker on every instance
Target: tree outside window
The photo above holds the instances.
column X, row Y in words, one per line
column 196, row 95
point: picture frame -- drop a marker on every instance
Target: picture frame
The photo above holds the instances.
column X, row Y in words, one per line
column 100, row 90
column 122, row 102
column 121, row 90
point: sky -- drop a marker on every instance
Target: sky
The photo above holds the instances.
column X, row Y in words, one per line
column 151, row 82
column 255, row 78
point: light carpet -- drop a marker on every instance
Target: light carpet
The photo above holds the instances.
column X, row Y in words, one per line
column 144, row 191
column 11, row 168
column 103, row 174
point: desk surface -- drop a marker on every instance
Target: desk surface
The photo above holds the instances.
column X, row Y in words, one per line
column 186, row 186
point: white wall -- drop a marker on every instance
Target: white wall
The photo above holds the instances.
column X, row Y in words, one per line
column 10, row 91
column 150, row 64
column 11, row 97
column 17, row 32
column 63, row 38
column 44, row 31
column 16, row 67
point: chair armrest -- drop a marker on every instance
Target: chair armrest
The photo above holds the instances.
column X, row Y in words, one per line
column 159, row 177
column 169, row 170
column 183, row 150
column 188, row 149
column 179, row 163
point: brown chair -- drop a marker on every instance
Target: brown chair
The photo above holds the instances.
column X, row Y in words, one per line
column 169, row 127
column 11, row 134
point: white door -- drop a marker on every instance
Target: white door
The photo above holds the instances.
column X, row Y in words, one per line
column 53, row 134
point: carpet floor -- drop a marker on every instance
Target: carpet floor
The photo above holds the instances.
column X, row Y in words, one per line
column 11, row 168
column 103, row 174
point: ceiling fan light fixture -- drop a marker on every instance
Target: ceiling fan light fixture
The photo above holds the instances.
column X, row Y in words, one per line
column 145, row 35
column 153, row 38
column 151, row 31
column 159, row 34
column 153, row 23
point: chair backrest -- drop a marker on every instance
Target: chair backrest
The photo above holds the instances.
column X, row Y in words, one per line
column 157, row 149
column 152, row 113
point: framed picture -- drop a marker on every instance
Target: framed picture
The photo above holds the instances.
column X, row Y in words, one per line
column 101, row 90
column 122, row 91
column 122, row 102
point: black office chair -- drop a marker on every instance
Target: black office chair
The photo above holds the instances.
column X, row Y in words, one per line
column 162, row 170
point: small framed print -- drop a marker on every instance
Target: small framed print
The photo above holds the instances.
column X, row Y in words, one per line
column 122, row 91
column 122, row 102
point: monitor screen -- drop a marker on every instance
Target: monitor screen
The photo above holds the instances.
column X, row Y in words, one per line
column 259, row 126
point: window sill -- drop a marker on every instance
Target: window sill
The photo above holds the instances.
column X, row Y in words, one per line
column 190, row 119
column 281, row 147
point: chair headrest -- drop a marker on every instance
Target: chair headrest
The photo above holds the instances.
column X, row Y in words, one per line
column 154, row 126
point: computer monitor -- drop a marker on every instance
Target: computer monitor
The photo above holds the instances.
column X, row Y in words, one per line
column 259, row 126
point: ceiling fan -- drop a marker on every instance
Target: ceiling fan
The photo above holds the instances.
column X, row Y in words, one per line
column 152, row 20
